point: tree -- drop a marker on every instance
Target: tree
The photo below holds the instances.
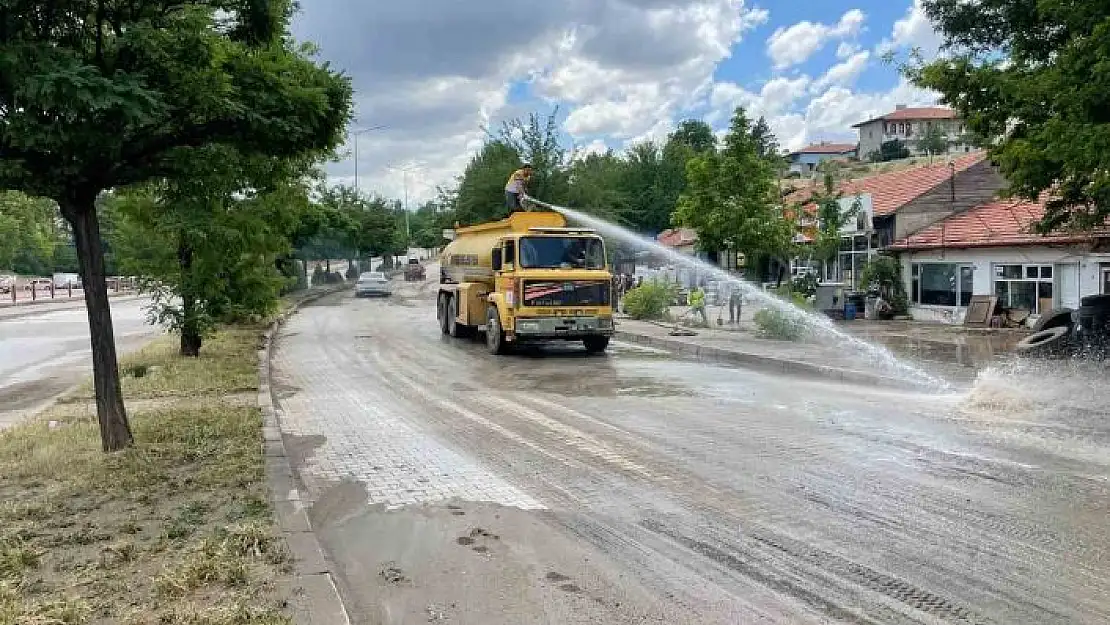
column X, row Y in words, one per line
column 208, row 242
column 890, row 151
column 481, row 192
column 536, row 141
column 694, row 134
column 933, row 142
column 1030, row 79
column 597, row 186
column 28, row 233
column 732, row 200
column 831, row 217
column 96, row 96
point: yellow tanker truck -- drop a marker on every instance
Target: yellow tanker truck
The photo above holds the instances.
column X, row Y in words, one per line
column 526, row 278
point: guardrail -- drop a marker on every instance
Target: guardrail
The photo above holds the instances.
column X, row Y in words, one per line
column 44, row 290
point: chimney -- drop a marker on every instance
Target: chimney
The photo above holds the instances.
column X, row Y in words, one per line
column 899, row 107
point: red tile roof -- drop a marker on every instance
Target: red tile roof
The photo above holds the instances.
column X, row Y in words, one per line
column 677, row 237
column 827, row 148
column 891, row 191
column 915, row 113
column 1001, row 223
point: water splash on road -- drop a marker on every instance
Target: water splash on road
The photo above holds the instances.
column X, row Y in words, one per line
column 819, row 326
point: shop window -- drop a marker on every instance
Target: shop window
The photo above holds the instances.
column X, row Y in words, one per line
column 1026, row 287
column 941, row 284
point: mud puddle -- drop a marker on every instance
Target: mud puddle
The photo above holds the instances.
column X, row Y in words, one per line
column 465, row 562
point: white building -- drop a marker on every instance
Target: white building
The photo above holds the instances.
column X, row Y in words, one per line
column 991, row 250
column 908, row 125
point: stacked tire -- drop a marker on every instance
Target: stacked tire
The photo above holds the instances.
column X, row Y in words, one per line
column 1094, row 326
column 1053, row 336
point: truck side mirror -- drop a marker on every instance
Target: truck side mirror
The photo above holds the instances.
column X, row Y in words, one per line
column 496, row 259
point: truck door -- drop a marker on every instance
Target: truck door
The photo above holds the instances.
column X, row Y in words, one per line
column 506, row 278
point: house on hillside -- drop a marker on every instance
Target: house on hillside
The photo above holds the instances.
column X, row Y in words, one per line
column 806, row 160
column 909, row 124
column 892, row 206
column 991, row 250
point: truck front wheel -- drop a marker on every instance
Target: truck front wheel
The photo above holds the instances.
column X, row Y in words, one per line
column 495, row 336
column 596, row 344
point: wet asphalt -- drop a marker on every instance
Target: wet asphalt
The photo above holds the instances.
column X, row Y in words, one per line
column 711, row 494
column 44, row 352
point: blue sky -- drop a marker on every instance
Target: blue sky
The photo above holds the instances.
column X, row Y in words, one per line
column 436, row 72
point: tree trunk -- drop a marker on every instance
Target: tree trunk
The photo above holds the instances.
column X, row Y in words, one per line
column 190, row 326
column 115, row 431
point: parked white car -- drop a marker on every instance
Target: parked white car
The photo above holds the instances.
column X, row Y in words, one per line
column 64, row 280
column 371, row 283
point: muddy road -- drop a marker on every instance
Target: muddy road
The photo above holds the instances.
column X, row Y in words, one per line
column 457, row 487
column 44, row 351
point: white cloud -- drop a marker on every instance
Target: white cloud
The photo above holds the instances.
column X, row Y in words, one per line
column 795, row 44
column 913, row 30
column 843, row 74
column 617, row 94
column 846, row 49
column 773, row 99
column 435, row 73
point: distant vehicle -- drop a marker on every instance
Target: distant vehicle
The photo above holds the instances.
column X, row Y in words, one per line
column 65, row 280
column 372, row 283
column 414, row 270
column 7, row 283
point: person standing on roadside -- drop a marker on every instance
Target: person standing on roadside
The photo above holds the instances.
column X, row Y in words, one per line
column 515, row 187
column 735, row 304
column 697, row 304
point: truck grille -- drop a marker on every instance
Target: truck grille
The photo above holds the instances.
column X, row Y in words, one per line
column 566, row 293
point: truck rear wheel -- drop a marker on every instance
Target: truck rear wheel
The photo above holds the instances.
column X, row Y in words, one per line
column 596, row 344
column 441, row 312
column 454, row 328
column 495, row 336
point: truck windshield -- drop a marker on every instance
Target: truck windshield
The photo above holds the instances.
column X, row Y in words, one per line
column 562, row 253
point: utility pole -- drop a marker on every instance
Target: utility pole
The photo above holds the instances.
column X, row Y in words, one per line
column 355, row 134
column 405, row 171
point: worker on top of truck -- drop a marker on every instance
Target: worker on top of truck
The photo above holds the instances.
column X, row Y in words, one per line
column 515, row 187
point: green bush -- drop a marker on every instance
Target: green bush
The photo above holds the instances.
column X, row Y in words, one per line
column 885, row 274
column 773, row 323
column 805, row 284
column 650, row 300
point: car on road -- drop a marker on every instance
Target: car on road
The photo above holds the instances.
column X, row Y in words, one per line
column 372, row 283
column 414, row 270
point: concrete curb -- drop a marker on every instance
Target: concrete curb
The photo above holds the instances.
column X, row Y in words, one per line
column 771, row 364
column 315, row 596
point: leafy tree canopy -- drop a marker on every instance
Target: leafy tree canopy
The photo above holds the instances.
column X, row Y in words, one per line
column 1030, row 78
column 731, row 197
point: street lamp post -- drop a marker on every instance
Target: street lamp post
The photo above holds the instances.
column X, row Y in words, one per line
column 405, row 171
column 355, row 134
